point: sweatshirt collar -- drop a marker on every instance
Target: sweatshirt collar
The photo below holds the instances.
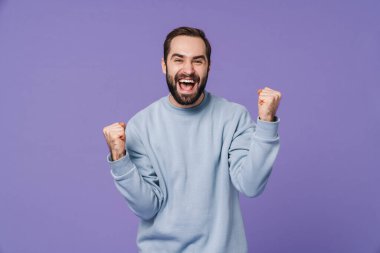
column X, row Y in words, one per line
column 190, row 110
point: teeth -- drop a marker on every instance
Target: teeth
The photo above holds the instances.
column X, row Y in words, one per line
column 186, row 81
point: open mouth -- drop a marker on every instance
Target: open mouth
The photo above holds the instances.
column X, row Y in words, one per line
column 187, row 85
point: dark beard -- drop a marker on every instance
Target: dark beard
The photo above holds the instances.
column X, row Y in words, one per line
column 185, row 99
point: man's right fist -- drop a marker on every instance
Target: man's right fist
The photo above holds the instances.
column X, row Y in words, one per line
column 115, row 138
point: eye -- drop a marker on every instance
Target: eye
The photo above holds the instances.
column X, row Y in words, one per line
column 177, row 60
column 198, row 61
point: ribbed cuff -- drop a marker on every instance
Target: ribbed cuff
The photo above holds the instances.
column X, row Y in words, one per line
column 266, row 129
column 121, row 167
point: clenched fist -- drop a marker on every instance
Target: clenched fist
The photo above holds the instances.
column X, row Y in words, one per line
column 268, row 103
column 115, row 138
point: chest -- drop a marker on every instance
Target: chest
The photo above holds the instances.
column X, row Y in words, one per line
column 188, row 147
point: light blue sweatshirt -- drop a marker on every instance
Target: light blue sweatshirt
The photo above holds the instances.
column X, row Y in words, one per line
column 184, row 170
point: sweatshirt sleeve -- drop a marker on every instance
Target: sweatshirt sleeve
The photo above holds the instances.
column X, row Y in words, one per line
column 252, row 153
column 135, row 177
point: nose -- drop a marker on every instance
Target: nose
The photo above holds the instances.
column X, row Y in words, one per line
column 188, row 67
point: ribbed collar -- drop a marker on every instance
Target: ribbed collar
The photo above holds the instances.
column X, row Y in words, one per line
column 191, row 110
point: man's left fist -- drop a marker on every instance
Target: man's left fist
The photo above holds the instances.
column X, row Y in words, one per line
column 268, row 103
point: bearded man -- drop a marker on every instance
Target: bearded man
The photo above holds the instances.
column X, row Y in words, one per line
column 182, row 161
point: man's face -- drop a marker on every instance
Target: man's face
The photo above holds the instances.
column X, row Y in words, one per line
column 186, row 69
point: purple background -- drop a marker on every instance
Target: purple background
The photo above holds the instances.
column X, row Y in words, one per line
column 69, row 68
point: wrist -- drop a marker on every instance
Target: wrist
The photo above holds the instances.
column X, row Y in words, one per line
column 267, row 118
column 117, row 155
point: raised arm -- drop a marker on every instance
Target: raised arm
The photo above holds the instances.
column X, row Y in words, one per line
column 254, row 147
column 252, row 153
column 132, row 171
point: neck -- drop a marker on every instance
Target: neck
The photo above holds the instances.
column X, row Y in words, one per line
column 175, row 103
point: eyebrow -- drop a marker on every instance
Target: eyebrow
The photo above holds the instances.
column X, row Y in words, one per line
column 195, row 57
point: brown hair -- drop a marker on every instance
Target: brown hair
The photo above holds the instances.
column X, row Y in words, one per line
column 188, row 31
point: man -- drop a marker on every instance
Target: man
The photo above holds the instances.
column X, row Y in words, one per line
column 182, row 161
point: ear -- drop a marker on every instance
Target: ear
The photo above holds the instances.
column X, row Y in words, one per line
column 163, row 66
